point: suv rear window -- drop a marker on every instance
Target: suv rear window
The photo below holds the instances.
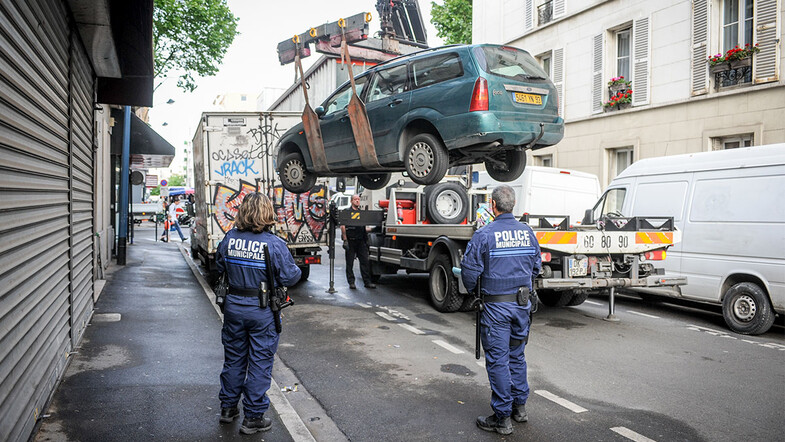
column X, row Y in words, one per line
column 508, row 62
column 432, row 70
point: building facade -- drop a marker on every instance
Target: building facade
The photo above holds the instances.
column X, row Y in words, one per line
column 680, row 103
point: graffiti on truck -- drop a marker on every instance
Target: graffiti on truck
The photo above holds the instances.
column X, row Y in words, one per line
column 227, row 201
column 265, row 137
column 304, row 214
column 236, row 167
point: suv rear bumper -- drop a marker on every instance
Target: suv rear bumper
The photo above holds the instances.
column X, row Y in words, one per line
column 487, row 127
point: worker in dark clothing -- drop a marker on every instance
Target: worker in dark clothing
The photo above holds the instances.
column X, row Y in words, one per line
column 355, row 242
column 249, row 336
column 507, row 256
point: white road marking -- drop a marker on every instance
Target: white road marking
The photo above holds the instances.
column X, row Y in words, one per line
column 643, row 314
column 629, row 434
column 414, row 330
column 575, row 408
column 448, row 347
column 592, row 302
column 363, row 305
column 342, row 296
column 386, row 316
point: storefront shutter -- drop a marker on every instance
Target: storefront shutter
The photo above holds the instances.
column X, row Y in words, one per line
column 46, row 176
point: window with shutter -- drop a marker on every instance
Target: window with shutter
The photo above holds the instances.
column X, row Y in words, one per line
column 700, row 52
column 558, row 8
column 596, row 84
column 529, row 14
column 558, row 77
column 640, row 74
column 765, row 62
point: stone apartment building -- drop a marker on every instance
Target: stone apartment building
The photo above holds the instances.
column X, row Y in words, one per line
column 679, row 103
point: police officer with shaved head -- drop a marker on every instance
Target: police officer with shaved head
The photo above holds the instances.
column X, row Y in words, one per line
column 505, row 253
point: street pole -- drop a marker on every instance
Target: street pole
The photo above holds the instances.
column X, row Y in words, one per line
column 331, row 245
column 124, row 187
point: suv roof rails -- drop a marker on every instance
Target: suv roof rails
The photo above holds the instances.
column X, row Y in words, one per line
column 418, row 52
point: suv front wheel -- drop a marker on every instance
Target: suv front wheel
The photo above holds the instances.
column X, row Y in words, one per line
column 294, row 176
column 426, row 159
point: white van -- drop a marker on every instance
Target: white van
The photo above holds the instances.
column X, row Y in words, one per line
column 549, row 191
column 730, row 207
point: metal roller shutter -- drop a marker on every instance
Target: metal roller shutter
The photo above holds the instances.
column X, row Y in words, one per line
column 46, row 170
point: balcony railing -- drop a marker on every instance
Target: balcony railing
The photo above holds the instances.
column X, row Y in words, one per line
column 732, row 73
column 545, row 13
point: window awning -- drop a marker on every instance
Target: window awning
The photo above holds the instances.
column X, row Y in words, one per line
column 148, row 149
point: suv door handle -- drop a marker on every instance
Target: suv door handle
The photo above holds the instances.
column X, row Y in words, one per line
column 395, row 102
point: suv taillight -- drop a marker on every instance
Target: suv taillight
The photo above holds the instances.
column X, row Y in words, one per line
column 479, row 96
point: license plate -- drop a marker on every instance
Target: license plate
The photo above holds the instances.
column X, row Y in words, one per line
column 528, row 98
column 578, row 267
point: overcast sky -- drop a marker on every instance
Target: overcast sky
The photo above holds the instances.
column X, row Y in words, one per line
column 251, row 63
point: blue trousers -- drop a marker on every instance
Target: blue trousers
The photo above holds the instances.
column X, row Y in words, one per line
column 506, row 364
column 250, row 343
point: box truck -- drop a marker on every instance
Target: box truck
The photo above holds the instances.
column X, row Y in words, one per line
column 232, row 153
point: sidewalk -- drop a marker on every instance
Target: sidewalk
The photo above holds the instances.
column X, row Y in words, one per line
column 149, row 362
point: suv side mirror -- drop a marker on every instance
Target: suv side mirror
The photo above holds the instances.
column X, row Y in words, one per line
column 319, row 111
column 587, row 218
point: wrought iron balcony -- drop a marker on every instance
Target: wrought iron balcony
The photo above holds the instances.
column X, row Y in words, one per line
column 732, row 73
column 545, row 13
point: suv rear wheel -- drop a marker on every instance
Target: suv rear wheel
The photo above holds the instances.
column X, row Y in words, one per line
column 294, row 176
column 426, row 159
column 507, row 165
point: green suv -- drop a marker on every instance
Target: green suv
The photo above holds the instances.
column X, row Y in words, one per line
column 428, row 111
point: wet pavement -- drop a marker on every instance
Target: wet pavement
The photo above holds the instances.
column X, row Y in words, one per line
column 148, row 365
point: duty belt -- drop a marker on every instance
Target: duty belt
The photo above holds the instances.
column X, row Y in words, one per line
column 248, row 293
column 500, row 298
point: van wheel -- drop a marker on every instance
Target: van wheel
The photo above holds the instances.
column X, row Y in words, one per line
column 554, row 298
column 374, row 181
column 448, row 203
column 443, row 286
column 294, row 176
column 747, row 309
column 507, row 165
column 426, row 159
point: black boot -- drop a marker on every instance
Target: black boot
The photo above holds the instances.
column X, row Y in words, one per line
column 228, row 414
column 519, row 413
column 255, row 425
column 492, row 423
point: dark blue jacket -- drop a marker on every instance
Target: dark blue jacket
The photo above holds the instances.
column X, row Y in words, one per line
column 506, row 253
column 241, row 256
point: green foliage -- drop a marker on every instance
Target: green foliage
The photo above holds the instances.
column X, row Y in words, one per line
column 156, row 190
column 176, row 180
column 453, row 21
column 191, row 36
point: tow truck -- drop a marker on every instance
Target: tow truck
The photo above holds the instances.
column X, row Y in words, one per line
column 576, row 260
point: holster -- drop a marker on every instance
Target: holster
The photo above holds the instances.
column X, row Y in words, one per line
column 522, row 296
column 264, row 295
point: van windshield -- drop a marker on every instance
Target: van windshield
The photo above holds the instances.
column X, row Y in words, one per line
column 509, row 62
column 610, row 204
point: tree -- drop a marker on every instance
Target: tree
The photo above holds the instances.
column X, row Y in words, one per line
column 176, row 180
column 191, row 36
column 453, row 21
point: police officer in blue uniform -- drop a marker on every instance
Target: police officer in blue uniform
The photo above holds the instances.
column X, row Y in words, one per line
column 507, row 256
column 249, row 336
